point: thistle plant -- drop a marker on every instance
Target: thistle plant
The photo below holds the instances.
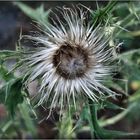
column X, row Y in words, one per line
column 72, row 59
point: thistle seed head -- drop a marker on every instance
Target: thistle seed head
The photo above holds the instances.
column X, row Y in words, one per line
column 73, row 63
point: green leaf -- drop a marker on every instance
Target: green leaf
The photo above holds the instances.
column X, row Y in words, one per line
column 127, row 56
column 130, row 19
column 130, row 64
column 27, row 113
column 2, row 95
column 5, row 129
column 13, row 95
column 134, row 69
column 108, row 104
column 111, row 134
column 116, row 118
column 4, row 74
column 37, row 14
column 101, row 15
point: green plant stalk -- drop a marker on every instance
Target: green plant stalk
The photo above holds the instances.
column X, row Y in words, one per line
column 65, row 126
column 93, row 113
column 101, row 132
column 28, row 120
column 117, row 118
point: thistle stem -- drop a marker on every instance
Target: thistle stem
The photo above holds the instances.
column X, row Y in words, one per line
column 94, row 120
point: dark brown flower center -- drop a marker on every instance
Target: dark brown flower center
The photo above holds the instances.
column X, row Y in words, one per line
column 71, row 61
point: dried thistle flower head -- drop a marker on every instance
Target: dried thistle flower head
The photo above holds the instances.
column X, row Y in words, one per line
column 73, row 63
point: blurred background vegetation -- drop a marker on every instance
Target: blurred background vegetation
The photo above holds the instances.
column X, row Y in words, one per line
column 18, row 118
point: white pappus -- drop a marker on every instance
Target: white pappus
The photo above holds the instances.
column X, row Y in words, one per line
column 73, row 62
